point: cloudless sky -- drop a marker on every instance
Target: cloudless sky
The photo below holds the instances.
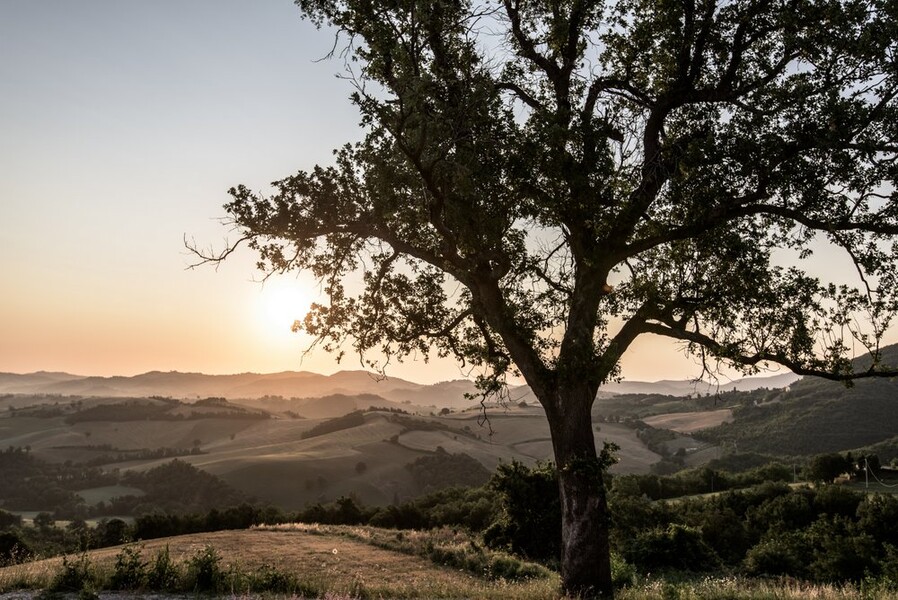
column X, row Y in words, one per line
column 122, row 125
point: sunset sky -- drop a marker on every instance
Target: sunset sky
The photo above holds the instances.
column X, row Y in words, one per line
column 122, row 125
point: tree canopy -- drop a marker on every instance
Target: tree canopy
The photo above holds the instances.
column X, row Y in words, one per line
column 541, row 182
column 536, row 174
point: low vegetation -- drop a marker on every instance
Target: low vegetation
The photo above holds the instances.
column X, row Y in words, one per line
column 347, row 421
column 309, row 562
column 827, row 535
column 340, row 562
column 443, row 469
column 33, row 484
column 736, row 527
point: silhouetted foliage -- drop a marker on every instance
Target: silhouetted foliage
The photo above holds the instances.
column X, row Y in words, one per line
column 13, row 549
column 347, row 421
column 517, row 158
column 443, row 469
column 529, row 522
column 176, row 486
column 827, row 467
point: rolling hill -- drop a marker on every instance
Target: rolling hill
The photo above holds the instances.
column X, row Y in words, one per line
column 304, row 384
column 279, row 442
column 288, row 460
column 815, row 416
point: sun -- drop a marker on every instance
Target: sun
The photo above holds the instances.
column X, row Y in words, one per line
column 281, row 302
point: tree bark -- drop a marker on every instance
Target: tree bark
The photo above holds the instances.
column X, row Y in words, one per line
column 585, row 522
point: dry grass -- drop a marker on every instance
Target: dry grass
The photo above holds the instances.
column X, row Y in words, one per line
column 690, row 422
column 327, row 562
column 738, row 588
column 342, row 563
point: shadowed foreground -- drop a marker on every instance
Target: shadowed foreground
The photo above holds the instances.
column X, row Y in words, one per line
column 343, row 563
column 323, row 561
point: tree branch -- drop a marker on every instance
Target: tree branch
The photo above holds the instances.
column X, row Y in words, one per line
column 758, row 358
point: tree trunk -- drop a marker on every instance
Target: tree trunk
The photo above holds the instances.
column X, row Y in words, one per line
column 585, row 522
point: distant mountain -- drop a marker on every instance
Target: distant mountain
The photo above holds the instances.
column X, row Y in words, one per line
column 305, row 384
column 14, row 383
column 193, row 385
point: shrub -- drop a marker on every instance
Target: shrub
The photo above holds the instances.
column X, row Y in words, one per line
column 780, row 554
column 8, row 520
column 473, row 559
column 674, row 547
column 622, row 572
column 164, row 574
column 12, row 548
column 130, row 570
column 841, row 553
column 204, row 570
column 530, row 520
column 268, row 579
column 75, row 575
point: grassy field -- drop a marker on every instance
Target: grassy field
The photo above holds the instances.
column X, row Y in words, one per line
column 346, row 562
column 270, row 460
column 343, row 563
column 737, row 588
column 690, row 422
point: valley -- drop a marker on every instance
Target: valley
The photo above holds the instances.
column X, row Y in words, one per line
column 294, row 439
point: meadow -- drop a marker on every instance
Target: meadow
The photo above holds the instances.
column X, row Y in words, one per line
column 343, row 563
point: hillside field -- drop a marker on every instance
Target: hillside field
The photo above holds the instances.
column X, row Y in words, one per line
column 343, row 563
column 278, row 458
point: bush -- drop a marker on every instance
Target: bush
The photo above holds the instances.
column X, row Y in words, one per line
column 204, row 570
column 530, row 519
column 130, row 570
column 268, row 579
column 13, row 549
column 779, row 554
column 674, row 547
column 473, row 559
column 8, row 520
column 75, row 575
column 622, row 572
column 841, row 553
column 164, row 574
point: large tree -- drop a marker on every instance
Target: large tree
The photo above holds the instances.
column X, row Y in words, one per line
column 541, row 182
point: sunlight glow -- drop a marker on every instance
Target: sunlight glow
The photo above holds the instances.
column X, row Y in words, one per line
column 280, row 303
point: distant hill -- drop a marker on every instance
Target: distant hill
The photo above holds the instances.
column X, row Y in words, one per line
column 305, row 384
column 816, row 415
column 691, row 387
column 289, row 384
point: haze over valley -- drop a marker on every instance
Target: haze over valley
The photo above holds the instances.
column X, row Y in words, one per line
column 296, row 438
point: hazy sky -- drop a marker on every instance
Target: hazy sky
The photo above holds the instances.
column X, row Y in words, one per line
column 122, row 125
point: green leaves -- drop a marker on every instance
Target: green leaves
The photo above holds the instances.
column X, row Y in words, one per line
column 542, row 182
